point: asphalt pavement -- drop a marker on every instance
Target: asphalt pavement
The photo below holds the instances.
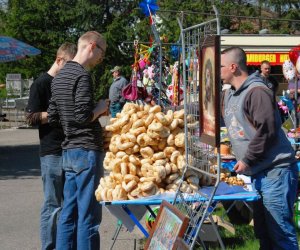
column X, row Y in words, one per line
column 21, row 197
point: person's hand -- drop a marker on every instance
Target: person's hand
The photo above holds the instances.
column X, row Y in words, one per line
column 101, row 108
column 240, row 167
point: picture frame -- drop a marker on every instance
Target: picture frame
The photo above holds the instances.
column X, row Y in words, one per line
column 209, row 97
column 169, row 226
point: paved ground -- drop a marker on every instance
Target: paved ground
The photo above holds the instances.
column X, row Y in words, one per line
column 21, row 196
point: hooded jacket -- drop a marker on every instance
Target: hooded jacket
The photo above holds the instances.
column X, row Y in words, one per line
column 254, row 127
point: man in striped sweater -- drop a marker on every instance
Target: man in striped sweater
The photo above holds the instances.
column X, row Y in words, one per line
column 72, row 105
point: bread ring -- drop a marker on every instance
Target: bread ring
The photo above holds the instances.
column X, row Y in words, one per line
column 135, row 160
column 98, row 193
column 155, row 109
column 146, row 160
column 136, row 148
column 125, row 158
column 111, row 128
column 140, row 114
column 171, row 140
column 132, row 168
column 179, row 140
column 168, row 168
column 147, row 185
column 174, row 168
column 124, row 169
column 147, row 179
column 136, row 191
column 130, row 177
column 153, row 134
column 168, row 151
column 156, row 126
column 120, row 154
column 169, row 116
column 116, row 176
column 129, row 151
column 137, row 131
column 147, row 108
column 150, row 192
column 158, row 156
column 179, row 114
column 125, row 145
column 147, row 152
column 134, row 118
column 119, row 193
column 114, row 164
column 129, row 186
column 160, row 116
column 126, row 127
column 174, row 124
column 181, row 162
column 164, row 133
column 149, row 119
column 103, row 194
column 138, row 123
column 170, row 178
column 172, row 186
column 112, row 120
column 143, row 139
column 131, row 137
column 161, row 171
column 113, row 148
column 160, row 162
column 162, row 144
column 109, row 194
column 123, row 120
column 180, row 123
column 129, row 106
column 174, row 156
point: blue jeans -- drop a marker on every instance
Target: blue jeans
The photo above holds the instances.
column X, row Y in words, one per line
column 115, row 108
column 52, row 177
column 80, row 217
column 273, row 213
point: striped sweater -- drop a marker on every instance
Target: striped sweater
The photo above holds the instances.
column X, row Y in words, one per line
column 72, row 104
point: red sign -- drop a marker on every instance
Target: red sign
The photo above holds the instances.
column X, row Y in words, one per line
column 273, row 58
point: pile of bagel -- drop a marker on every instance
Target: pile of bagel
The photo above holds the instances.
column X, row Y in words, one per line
column 146, row 154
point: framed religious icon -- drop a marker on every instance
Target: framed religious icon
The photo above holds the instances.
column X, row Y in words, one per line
column 209, row 97
column 169, row 226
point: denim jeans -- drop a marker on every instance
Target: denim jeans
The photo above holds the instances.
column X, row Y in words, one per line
column 52, row 177
column 273, row 213
column 115, row 108
column 81, row 213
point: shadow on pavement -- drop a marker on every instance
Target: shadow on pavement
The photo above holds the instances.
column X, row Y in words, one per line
column 19, row 162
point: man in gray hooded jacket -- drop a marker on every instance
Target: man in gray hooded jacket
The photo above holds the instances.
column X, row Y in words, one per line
column 262, row 150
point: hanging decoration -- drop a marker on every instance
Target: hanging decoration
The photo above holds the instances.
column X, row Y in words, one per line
column 148, row 7
column 288, row 70
column 294, row 54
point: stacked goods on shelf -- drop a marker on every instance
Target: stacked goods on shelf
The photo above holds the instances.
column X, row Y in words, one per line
column 146, row 154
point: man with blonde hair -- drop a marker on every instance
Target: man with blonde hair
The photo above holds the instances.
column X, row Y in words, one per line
column 72, row 103
column 50, row 144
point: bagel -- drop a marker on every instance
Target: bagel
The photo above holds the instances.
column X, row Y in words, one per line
column 158, row 156
column 155, row 109
column 174, row 156
column 160, row 116
column 129, row 186
column 132, row 168
column 156, row 126
column 168, row 151
column 124, row 169
column 129, row 177
column 120, row 154
column 137, row 131
column 171, row 140
column 179, row 114
column 179, row 140
column 125, row 145
column 146, row 152
column 135, row 160
column 150, row 192
column 138, row 123
column 149, row 119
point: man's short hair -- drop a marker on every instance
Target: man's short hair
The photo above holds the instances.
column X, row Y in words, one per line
column 265, row 62
column 67, row 48
column 238, row 56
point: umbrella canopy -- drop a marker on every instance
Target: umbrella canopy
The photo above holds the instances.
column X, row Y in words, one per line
column 12, row 49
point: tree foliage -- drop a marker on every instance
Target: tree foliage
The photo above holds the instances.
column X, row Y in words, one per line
column 47, row 24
